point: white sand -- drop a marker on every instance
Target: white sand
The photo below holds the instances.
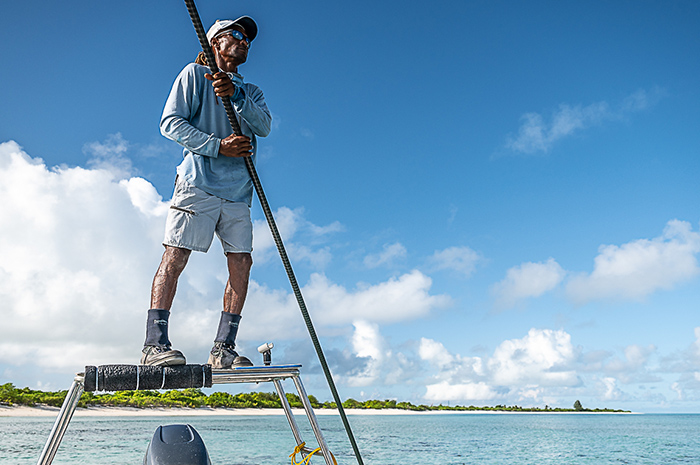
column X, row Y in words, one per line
column 46, row 411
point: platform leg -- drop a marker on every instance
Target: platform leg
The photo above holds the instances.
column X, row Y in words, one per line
column 290, row 416
column 312, row 420
column 64, row 417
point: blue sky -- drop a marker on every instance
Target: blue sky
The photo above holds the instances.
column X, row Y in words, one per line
column 484, row 202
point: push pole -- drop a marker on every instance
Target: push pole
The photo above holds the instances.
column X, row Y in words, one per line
column 228, row 106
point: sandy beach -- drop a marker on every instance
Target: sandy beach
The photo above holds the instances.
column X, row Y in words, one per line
column 46, row 411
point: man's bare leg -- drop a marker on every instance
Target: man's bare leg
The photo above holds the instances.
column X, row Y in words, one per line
column 157, row 350
column 165, row 281
column 223, row 354
column 239, row 265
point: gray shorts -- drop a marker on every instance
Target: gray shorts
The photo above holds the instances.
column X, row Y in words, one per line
column 194, row 216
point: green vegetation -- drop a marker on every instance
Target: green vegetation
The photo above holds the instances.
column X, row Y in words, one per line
column 10, row 395
column 195, row 398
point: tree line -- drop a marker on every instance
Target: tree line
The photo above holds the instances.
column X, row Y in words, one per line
column 195, row 398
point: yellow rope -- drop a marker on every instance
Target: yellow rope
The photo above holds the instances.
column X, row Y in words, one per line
column 307, row 459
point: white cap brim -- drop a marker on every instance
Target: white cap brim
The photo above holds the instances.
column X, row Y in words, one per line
column 246, row 22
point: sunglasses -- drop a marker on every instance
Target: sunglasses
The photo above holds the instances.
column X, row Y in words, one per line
column 236, row 34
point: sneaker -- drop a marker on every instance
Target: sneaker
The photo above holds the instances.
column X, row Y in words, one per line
column 222, row 356
column 162, row 356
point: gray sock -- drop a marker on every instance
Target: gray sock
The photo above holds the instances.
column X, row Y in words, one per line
column 157, row 328
column 228, row 328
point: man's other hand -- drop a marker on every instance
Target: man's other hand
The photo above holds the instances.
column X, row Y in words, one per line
column 236, row 146
column 222, row 84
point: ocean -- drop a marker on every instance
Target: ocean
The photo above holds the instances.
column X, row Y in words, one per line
column 452, row 439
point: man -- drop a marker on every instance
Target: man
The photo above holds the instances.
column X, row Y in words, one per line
column 213, row 190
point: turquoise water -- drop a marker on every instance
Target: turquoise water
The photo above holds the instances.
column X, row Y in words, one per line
column 383, row 440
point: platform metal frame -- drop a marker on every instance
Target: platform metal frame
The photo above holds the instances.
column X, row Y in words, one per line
column 273, row 374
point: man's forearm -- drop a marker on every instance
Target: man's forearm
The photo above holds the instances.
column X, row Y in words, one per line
column 181, row 131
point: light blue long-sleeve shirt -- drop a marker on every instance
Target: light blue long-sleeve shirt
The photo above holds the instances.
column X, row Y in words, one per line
column 195, row 118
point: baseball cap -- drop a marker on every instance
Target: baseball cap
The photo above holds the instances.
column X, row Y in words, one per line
column 246, row 22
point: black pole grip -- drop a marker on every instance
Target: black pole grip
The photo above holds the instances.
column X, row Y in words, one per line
column 145, row 377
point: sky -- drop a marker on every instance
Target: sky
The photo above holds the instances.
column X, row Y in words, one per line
column 484, row 202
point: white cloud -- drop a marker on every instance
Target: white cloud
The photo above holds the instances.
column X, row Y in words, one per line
column 275, row 313
column 633, row 367
column 398, row 299
column 445, row 391
column 639, row 268
column 435, row 352
column 291, row 223
column 462, row 260
column 641, row 100
column 686, row 365
column 72, row 249
column 543, row 367
column 78, row 251
column 368, row 342
column 110, row 155
column 610, row 390
column 675, row 387
column 543, row 357
column 372, row 361
column 537, row 135
column 527, row 280
column 386, row 257
column 638, row 355
column 518, row 368
column 144, row 197
column 450, row 367
column 630, row 271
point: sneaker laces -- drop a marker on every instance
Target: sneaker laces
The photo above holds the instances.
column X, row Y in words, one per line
column 221, row 347
column 156, row 349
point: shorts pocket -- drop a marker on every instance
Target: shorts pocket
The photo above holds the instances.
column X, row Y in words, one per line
column 184, row 210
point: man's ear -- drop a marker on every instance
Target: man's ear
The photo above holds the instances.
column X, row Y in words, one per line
column 215, row 45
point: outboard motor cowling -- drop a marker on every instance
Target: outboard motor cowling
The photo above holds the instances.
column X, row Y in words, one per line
column 176, row 445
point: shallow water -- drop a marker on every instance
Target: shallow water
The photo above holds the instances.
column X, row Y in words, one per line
column 383, row 439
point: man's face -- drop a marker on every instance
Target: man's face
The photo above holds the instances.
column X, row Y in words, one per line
column 230, row 48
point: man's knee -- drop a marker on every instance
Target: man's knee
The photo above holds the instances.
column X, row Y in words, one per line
column 240, row 262
column 175, row 258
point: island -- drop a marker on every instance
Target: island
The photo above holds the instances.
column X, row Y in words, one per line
column 195, row 398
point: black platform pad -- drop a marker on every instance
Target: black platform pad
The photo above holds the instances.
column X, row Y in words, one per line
column 144, row 377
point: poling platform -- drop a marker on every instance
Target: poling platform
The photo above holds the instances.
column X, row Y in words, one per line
column 143, row 377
